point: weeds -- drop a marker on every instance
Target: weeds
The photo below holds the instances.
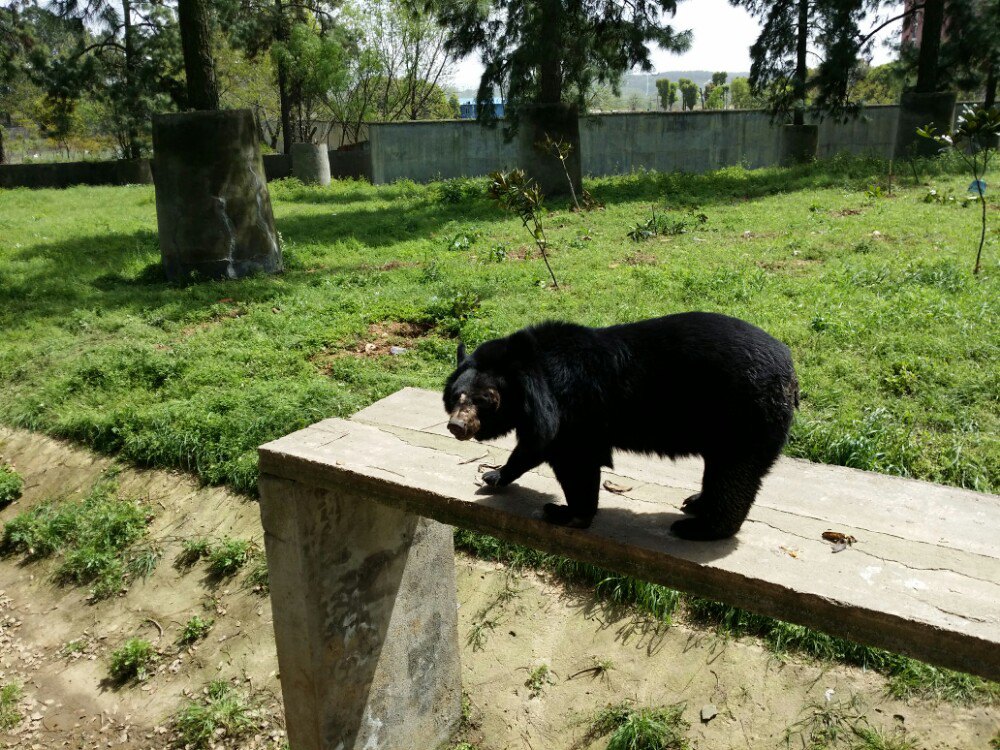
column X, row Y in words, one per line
column 192, row 550
column 633, row 728
column 96, row 538
column 538, row 679
column 195, row 629
column 132, row 661
column 10, row 714
column 665, row 224
column 222, row 712
column 229, row 555
column 11, row 485
column 520, row 195
column 257, row 577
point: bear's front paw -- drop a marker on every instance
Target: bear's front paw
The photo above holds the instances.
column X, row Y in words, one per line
column 694, row 505
column 494, row 479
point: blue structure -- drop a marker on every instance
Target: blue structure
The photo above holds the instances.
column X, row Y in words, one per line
column 468, row 108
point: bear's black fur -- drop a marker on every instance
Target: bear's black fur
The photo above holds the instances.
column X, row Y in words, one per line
column 688, row 384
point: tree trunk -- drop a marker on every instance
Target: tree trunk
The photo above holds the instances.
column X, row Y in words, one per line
column 930, row 47
column 550, row 78
column 989, row 101
column 3, row 153
column 284, row 99
column 131, row 135
column 199, row 67
column 801, row 64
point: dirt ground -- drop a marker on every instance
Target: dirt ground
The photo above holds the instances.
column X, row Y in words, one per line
column 510, row 624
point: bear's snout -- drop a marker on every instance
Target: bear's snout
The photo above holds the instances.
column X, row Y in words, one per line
column 463, row 424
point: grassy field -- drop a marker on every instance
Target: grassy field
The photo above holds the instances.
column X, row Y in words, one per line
column 897, row 345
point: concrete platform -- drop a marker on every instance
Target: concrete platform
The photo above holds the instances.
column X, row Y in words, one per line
column 922, row 579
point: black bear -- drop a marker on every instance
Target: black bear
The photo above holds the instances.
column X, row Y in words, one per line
column 688, row 384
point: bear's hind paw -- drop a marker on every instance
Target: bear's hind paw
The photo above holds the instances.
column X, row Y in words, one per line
column 698, row 530
column 562, row 515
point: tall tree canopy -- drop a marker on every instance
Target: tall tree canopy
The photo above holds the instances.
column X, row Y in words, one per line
column 791, row 31
column 548, row 51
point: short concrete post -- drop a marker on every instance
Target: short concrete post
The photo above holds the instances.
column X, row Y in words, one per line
column 365, row 620
column 311, row 163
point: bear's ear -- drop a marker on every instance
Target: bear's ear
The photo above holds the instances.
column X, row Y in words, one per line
column 461, row 353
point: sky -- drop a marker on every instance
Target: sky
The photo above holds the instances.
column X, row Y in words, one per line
column 722, row 38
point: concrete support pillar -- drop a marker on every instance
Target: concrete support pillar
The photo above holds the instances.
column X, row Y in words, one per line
column 365, row 620
column 799, row 144
column 213, row 210
column 558, row 121
column 311, row 163
column 915, row 111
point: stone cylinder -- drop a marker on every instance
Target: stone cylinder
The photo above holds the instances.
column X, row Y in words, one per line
column 558, row 122
column 213, row 210
column 917, row 110
column 311, row 163
column 799, row 144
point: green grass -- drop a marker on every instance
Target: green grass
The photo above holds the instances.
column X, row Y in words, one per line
column 897, row 346
column 222, row 712
column 10, row 696
column 11, row 485
column 894, row 340
column 132, row 661
column 634, row 728
column 96, row 539
column 195, row 629
column 227, row 557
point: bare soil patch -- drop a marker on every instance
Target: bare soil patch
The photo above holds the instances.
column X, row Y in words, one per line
column 533, row 619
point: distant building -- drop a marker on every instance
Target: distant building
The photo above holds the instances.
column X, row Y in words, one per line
column 468, row 108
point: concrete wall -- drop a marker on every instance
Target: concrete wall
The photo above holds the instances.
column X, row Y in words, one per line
column 424, row 151
column 64, row 174
column 620, row 143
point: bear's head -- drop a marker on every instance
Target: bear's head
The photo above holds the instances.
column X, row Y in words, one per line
column 497, row 389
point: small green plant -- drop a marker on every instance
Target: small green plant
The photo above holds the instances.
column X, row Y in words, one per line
column 132, row 661
column 974, row 140
column 665, row 224
column 600, row 668
column 514, row 192
column 498, row 253
column 872, row 738
column 76, row 646
column 221, row 712
column 96, row 538
column 561, row 150
column 229, row 555
column 633, row 728
column 460, row 243
column 874, row 192
column 10, row 715
column 538, row 679
column 11, row 485
column 192, row 550
column 195, row 629
column 479, row 631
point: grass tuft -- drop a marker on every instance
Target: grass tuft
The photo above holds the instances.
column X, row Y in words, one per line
column 132, row 661
column 10, row 714
column 95, row 537
column 636, row 728
column 222, row 712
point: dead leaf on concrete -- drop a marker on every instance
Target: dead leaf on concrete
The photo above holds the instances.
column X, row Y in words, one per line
column 618, row 489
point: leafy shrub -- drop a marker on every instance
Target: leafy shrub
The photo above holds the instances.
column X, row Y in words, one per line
column 11, row 485
column 195, row 629
column 229, row 555
column 132, row 661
